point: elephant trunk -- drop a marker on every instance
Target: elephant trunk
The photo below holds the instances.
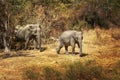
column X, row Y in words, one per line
column 39, row 39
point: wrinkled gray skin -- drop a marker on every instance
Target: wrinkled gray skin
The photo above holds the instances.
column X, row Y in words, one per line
column 70, row 38
column 42, row 35
column 30, row 31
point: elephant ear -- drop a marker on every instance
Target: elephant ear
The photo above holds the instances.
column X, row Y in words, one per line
column 75, row 36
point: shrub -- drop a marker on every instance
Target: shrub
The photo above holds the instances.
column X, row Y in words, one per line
column 79, row 71
column 51, row 74
column 75, row 71
column 32, row 73
column 116, row 72
column 91, row 70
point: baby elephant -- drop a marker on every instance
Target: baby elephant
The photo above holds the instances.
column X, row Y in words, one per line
column 70, row 38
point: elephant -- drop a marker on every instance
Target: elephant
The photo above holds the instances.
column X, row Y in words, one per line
column 27, row 33
column 70, row 38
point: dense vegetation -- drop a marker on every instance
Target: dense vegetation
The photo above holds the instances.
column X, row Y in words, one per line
column 62, row 12
column 56, row 16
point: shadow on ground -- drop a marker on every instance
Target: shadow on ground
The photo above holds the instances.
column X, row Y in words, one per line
column 83, row 54
column 77, row 53
column 43, row 49
column 15, row 54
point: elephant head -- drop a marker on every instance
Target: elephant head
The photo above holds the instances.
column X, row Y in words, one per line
column 35, row 30
column 78, row 37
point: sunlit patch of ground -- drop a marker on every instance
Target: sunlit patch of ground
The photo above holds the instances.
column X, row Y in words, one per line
column 13, row 63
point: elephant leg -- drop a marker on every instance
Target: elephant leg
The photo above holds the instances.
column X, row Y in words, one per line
column 66, row 49
column 72, row 42
column 59, row 48
column 80, row 48
column 26, row 43
column 73, row 48
column 80, row 52
column 35, row 43
column 39, row 42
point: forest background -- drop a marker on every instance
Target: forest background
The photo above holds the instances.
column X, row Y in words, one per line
column 98, row 19
column 56, row 16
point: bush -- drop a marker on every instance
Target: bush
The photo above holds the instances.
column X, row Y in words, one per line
column 116, row 71
column 32, row 73
column 91, row 70
column 75, row 71
column 51, row 74
column 84, row 72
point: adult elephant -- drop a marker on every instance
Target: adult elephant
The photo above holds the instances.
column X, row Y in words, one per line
column 28, row 32
column 70, row 38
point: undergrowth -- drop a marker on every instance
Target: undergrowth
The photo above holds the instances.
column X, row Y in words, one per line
column 90, row 70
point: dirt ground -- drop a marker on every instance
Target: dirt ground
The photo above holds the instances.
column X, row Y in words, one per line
column 105, row 52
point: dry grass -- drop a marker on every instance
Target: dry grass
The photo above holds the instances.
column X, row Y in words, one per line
column 110, row 53
column 101, row 47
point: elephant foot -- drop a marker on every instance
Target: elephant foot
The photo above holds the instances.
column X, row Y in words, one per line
column 67, row 52
column 41, row 50
column 73, row 54
column 81, row 55
column 35, row 49
column 25, row 48
column 58, row 52
column 6, row 50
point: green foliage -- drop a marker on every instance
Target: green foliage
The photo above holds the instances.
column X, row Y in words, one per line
column 77, row 14
column 19, row 11
column 81, row 25
column 98, row 12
